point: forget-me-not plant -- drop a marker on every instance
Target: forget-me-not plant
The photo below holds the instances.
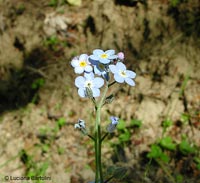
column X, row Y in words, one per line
column 101, row 69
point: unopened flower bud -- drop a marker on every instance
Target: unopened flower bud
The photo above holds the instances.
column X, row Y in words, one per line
column 80, row 124
column 120, row 55
column 112, row 126
column 88, row 92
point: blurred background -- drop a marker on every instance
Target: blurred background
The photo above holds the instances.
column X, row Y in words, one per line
column 158, row 137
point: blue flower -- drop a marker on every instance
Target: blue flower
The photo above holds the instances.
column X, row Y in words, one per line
column 100, row 69
column 112, row 126
column 122, row 75
column 90, row 82
column 80, row 124
column 114, row 120
column 81, row 64
column 103, row 57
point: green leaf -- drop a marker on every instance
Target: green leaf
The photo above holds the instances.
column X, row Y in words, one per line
column 136, row 123
column 45, row 148
column 185, row 118
column 198, row 166
column 53, row 3
column 167, row 143
column 124, row 137
column 167, row 123
column 164, row 157
column 61, row 150
column 61, row 122
column 179, row 178
column 174, row 3
column 197, row 159
column 155, row 152
column 121, row 125
column 31, row 174
column 185, row 147
column 38, row 83
column 43, row 169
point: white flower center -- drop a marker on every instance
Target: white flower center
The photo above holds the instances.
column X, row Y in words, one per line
column 123, row 73
column 89, row 84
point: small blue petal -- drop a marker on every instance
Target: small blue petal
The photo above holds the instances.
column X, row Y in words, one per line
column 114, row 120
column 83, row 57
column 89, row 76
column 97, row 70
column 118, row 78
column 75, row 63
column 79, row 81
column 76, row 126
column 131, row 74
column 113, row 57
column 130, row 81
column 94, row 57
column 113, row 69
column 110, row 52
column 98, row 52
column 78, row 70
column 104, row 60
column 120, row 66
column 81, row 92
column 98, row 82
column 96, row 92
column 88, row 68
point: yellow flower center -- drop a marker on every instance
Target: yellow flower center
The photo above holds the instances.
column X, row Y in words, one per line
column 82, row 63
column 104, row 56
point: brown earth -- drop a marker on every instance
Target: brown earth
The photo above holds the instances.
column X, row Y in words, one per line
column 39, row 41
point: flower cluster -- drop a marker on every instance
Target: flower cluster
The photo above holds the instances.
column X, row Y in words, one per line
column 100, row 63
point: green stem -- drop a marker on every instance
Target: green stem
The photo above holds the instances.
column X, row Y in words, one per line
column 98, row 147
column 99, row 174
column 111, row 83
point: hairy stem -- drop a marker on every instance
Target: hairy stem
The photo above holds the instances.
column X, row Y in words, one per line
column 98, row 140
column 99, row 175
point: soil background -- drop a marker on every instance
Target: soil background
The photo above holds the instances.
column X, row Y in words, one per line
column 39, row 104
